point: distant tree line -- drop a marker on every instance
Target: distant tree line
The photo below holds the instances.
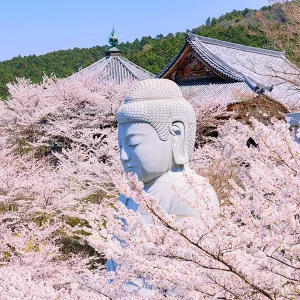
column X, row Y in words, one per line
column 151, row 53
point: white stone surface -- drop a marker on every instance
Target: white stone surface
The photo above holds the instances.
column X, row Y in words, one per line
column 156, row 137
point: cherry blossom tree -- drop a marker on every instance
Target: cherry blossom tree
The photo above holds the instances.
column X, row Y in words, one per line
column 60, row 218
column 58, row 158
column 249, row 252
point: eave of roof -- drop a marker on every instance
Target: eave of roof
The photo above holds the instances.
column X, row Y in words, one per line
column 218, row 65
column 213, row 61
column 208, row 58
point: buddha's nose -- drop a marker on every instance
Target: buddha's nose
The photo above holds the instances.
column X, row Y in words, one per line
column 124, row 155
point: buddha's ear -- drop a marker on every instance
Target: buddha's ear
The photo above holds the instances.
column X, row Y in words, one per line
column 179, row 142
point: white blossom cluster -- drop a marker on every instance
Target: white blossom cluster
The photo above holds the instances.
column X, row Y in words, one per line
column 60, row 179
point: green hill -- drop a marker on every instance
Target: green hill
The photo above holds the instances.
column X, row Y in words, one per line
column 150, row 53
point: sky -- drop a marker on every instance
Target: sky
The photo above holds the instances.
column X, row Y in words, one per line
column 42, row 26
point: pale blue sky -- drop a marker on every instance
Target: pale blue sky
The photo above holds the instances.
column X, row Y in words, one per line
column 41, row 26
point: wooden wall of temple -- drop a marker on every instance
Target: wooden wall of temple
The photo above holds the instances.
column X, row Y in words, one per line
column 188, row 66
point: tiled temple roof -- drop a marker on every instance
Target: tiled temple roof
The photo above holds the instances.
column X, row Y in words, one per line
column 257, row 68
column 116, row 68
column 214, row 88
column 113, row 66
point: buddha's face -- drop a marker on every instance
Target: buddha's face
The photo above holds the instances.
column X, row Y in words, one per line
column 142, row 152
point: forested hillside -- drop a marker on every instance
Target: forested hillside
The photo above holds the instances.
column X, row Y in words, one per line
column 152, row 53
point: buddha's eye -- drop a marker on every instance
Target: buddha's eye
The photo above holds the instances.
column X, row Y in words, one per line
column 134, row 141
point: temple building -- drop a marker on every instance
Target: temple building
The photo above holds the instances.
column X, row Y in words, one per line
column 114, row 66
column 207, row 68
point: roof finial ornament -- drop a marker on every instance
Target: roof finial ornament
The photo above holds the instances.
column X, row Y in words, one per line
column 113, row 38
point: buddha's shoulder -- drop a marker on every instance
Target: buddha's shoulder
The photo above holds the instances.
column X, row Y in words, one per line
column 195, row 187
column 188, row 179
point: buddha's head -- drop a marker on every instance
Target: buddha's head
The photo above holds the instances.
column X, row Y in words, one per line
column 156, row 129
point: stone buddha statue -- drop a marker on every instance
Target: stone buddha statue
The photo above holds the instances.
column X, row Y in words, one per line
column 156, row 135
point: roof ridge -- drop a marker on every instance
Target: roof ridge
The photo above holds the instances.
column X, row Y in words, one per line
column 219, row 64
column 292, row 65
column 117, row 67
column 208, row 40
column 119, row 58
column 103, row 59
column 100, row 61
column 137, row 66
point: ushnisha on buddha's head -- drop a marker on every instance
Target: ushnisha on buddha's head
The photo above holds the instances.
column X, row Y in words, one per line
column 156, row 129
